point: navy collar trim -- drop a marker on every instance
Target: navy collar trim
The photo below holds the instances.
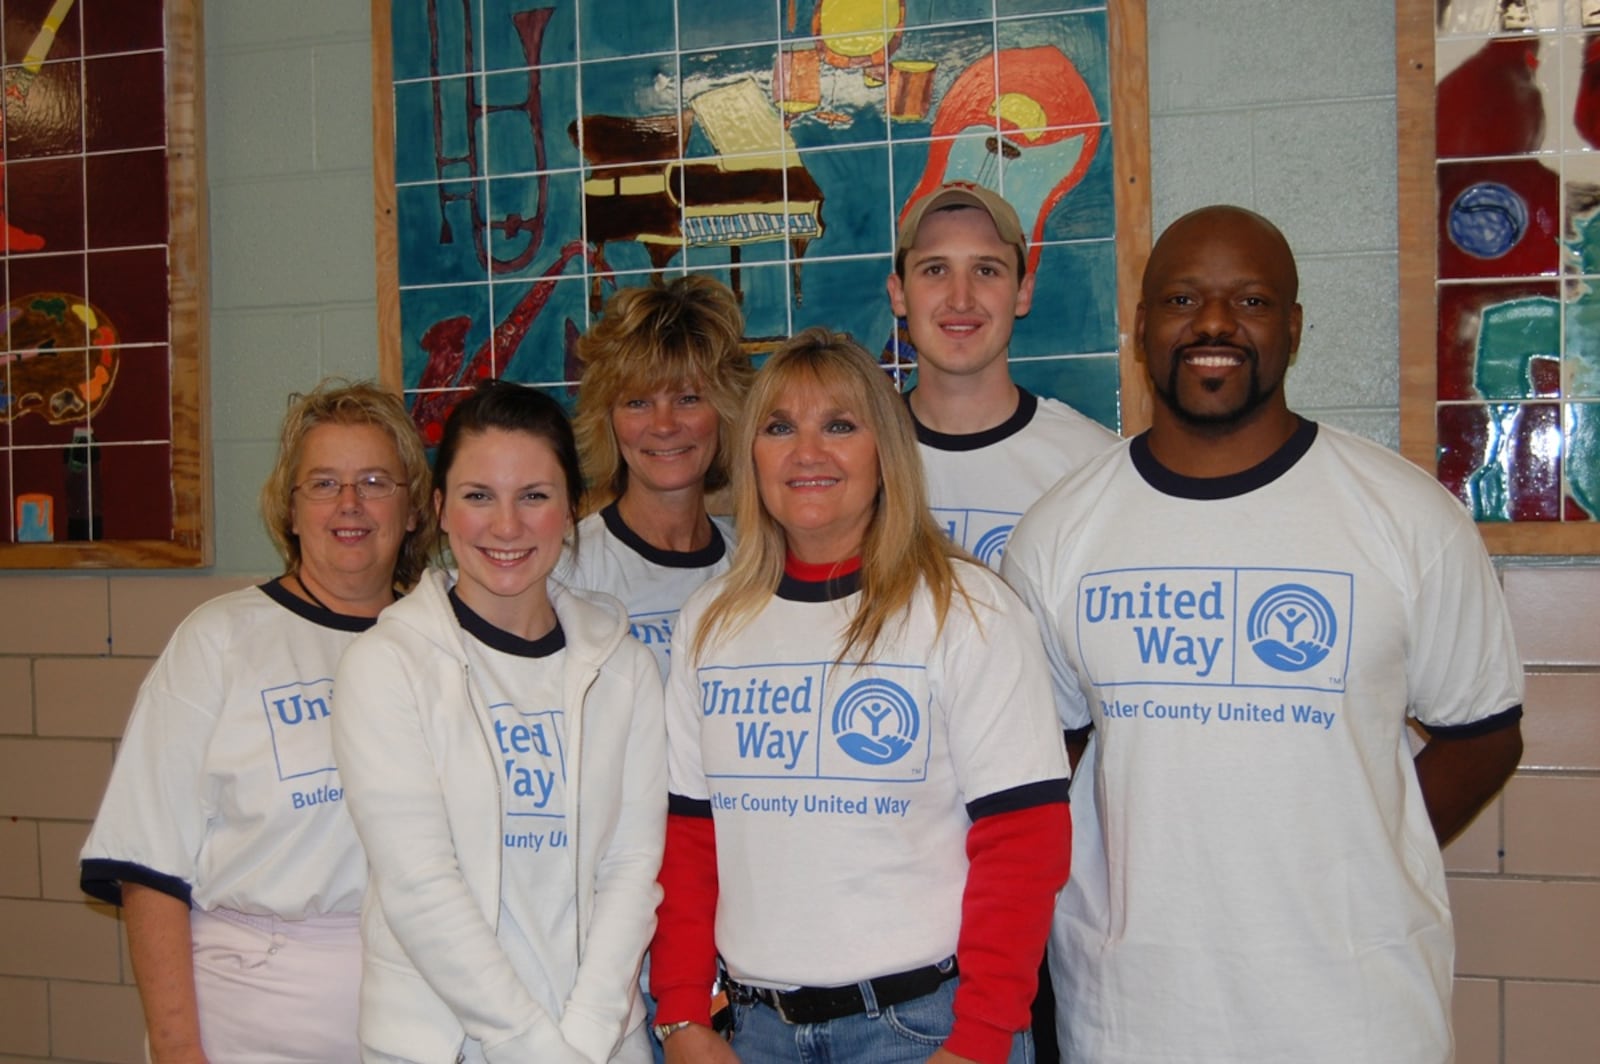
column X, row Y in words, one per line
column 339, row 622
column 499, row 639
column 793, row 589
column 1027, row 406
column 1231, row 486
column 710, row 554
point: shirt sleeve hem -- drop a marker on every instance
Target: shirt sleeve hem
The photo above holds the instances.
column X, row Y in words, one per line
column 102, row 879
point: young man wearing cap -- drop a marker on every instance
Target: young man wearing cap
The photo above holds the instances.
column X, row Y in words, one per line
column 990, row 448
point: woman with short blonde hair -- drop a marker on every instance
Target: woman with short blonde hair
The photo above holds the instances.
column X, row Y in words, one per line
column 664, row 376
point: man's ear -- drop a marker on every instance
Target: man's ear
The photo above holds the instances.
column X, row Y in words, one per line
column 897, row 295
column 1025, row 296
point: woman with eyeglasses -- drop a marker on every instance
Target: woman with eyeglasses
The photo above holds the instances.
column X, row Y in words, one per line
column 868, row 820
column 223, row 834
column 502, row 743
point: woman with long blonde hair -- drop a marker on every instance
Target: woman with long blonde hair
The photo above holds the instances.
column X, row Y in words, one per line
column 868, row 816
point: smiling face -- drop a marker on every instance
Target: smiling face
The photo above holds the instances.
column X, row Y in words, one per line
column 1217, row 323
column 667, row 439
column 348, row 545
column 505, row 510
column 960, row 296
column 816, row 464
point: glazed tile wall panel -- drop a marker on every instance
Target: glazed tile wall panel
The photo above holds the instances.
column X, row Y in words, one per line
column 1518, row 181
column 97, row 406
column 83, row 398
column 547, row 152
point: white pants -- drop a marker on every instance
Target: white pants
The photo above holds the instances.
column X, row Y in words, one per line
column 274, row 991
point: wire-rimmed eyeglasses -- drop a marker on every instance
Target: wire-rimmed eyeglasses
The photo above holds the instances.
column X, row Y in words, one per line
column 368, row 486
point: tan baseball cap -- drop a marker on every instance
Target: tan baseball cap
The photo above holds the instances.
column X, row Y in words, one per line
column 1006, row 222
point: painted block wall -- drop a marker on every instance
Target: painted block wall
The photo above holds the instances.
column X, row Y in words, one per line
column 1286, row 106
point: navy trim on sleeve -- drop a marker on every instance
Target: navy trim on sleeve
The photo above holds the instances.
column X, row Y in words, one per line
column 1026, row 796
column 102, row 879
column 678, row 805
column 1501, row 720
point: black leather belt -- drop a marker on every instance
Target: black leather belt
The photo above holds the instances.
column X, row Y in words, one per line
column 819, row 1004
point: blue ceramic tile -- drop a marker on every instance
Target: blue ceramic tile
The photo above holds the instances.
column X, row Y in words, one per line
column 436, row 225
column 412, row 38
column 517, row 33
column 1007, row 8
column 528, row 110
column 1090, row 385
column 737, row 114
column 539, row 320
column 1084, row 208
column 414, row 149
column 1081, row 39
column 857, row 204
column 612, row 28
column 632, row 88
column 442, row 326
column 1074, row 302
column 847, row 294
column 933, row 12
column 533, row 217
column 1582, row 446
column 718, row 23
column 962, row 59
column 1581, row 355
column 827, row 105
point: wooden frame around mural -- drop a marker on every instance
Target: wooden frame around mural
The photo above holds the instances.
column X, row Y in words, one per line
column 1418, row 239
column 191, row 541
column 1130, row 119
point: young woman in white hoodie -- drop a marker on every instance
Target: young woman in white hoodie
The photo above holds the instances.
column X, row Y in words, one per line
column 501, row 744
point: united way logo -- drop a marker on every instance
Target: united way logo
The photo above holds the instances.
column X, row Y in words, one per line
column 992, row 544
column 875, row 721
column 1291, row 627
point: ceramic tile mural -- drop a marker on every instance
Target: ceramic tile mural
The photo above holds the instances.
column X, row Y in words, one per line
column 86, row 444
column 548, row 151
column 1517, row 96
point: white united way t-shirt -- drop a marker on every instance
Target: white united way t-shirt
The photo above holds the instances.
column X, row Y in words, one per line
column 841, row 791
column 981, row 483
column 1255, row 878
column 651, row 583
column 519, row 681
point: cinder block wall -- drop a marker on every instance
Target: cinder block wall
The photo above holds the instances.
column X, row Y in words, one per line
column 1283, row 105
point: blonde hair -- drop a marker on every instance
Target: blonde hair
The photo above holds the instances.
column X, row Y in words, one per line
column 903, row 549
column 338, row 402
column 685, row 332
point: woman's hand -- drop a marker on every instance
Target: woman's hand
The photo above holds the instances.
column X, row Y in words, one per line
column 944, row 1056
column 163, row 966
column 697, row 1044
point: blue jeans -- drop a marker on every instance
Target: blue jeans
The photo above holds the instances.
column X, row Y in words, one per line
column 907, row 1033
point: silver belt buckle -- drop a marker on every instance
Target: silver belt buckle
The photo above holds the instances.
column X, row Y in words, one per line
column 777, row 1005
